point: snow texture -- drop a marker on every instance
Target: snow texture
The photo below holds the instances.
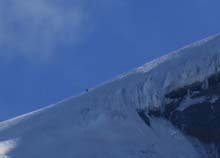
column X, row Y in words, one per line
column 6, row 147
column 103, row 123
column 189, row 102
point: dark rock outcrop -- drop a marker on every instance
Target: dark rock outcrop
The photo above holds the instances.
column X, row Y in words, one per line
column 201, row 118
column 195, row 109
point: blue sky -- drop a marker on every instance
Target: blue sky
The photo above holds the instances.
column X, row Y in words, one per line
column 53, row 49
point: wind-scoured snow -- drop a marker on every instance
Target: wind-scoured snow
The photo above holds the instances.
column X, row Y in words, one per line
column 104, row 123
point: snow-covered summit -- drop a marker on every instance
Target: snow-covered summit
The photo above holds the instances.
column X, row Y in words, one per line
column 146, row 85
column 106, row 118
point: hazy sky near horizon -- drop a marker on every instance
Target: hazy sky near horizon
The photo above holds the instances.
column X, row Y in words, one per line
column 54, row 49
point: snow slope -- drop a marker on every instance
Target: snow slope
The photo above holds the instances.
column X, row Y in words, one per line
column 104, row 123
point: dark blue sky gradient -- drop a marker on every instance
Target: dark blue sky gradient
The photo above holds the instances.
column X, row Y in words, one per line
column 121, row 35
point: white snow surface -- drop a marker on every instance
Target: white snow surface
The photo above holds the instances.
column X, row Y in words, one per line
column 5, row 147
column 190, row 101
column 103, row 123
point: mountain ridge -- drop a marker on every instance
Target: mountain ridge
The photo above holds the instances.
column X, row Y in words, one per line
column 106, row 116
column 141, row 69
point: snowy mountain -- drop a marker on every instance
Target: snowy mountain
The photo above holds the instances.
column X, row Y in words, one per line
column 167, row 108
